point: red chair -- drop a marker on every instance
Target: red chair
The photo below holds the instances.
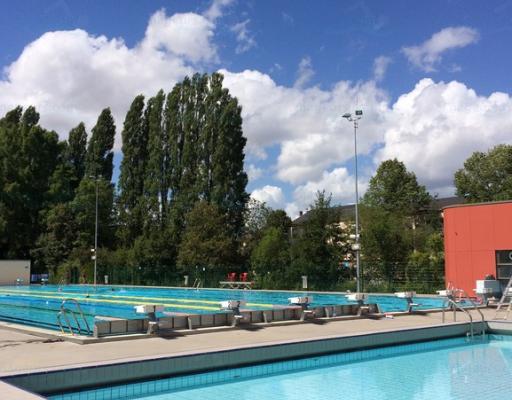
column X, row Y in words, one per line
column 232, row 276
column 244, row 276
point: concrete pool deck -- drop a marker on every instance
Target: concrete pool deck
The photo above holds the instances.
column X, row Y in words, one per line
column 24, row 353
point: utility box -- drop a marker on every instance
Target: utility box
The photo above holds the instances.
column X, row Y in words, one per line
column 14, row 272
column 488, row 287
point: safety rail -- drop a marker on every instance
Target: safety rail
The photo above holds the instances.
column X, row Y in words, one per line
column 455, row 307
column 463, row 295
column 64, row 313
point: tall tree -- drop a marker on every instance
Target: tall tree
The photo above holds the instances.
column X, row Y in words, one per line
column 29, row 156
column 206, row 149
column 314, row 253
column 133, row 167
column 270, row 258
column 206, row 241
column 76, row 152
column 99, row 158
column 486, row 176
column 393, row 188
column 155, row 179
column 229, row 179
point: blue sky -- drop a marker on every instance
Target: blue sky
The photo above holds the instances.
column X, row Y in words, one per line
column 432, row 77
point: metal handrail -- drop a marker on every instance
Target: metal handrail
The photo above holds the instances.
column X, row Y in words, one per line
column 64, row 311
column 59, row 315
column 476, row 308
column 455, row 306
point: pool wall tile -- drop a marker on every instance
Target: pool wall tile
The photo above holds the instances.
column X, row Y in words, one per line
column 108, row 374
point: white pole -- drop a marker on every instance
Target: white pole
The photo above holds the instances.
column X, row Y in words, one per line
column 358, row 266
column 96, row 237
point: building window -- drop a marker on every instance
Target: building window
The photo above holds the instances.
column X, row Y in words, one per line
column 504, row 264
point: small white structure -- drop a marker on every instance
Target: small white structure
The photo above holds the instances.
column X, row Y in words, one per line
column 304, row 302
column 408, row 295
column 488, row 287
column 301, row 300
column 232, row 304
column 405, row 295
column 149, row 308
column 446, row 293
column 14, row 272
column 359, row 297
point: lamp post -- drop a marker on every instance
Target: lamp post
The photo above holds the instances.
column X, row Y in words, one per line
column 95, row 250
column 357, row 246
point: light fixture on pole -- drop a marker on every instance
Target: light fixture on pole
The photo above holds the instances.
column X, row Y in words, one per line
column 356, row 246
column 95, row 250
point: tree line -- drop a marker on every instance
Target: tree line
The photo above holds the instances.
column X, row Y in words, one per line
column 180, row 206
column 182, row 167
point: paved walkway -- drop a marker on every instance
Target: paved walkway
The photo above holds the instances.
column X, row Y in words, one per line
column 22, row 352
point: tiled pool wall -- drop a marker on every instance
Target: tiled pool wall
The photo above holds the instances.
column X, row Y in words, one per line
column 236, row 374
column 55, row 381
column 117, row 326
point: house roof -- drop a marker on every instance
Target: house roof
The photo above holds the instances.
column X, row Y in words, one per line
column 347, row 211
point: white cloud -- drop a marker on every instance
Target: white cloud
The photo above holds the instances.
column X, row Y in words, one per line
column 188, row 35
column 216, row 9
column 271, row 195
column 380, row 66
column 338, row 183
column 243, row 36
column 436, row 126
column 307, row 123
column 428, row 54
column 71, row 75
column 254, row 172
column 305, row 73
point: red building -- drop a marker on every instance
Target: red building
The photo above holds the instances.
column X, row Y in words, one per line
column 477, row 242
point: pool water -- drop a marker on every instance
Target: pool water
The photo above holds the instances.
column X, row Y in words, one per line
column 450, row 369
column 39, row 305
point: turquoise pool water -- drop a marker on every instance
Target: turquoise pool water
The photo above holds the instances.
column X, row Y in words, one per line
column 451, row 369
column 39, row 305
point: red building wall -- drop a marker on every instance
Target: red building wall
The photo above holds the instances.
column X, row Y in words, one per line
column 472, row 235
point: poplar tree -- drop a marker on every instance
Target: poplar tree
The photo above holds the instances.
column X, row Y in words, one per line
column 99, row 158
column 133, row 165
column 155, row 180
column 76, row 152
column 229, row 178
column 206, row 150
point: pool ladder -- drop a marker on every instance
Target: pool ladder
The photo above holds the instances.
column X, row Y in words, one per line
column 455, row 306
column 64, row 312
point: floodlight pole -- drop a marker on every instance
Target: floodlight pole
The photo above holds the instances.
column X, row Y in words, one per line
column 96, row 238
column 95, row 250
column 357, row 246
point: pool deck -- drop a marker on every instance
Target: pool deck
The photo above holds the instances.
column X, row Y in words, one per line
column 23, row 353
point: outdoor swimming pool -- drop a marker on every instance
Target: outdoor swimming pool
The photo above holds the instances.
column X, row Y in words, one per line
column 449, row 369
column 39, row 305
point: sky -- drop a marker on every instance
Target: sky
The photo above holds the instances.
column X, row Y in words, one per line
column 432, row 78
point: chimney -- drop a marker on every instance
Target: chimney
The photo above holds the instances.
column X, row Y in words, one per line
column 300, row 213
